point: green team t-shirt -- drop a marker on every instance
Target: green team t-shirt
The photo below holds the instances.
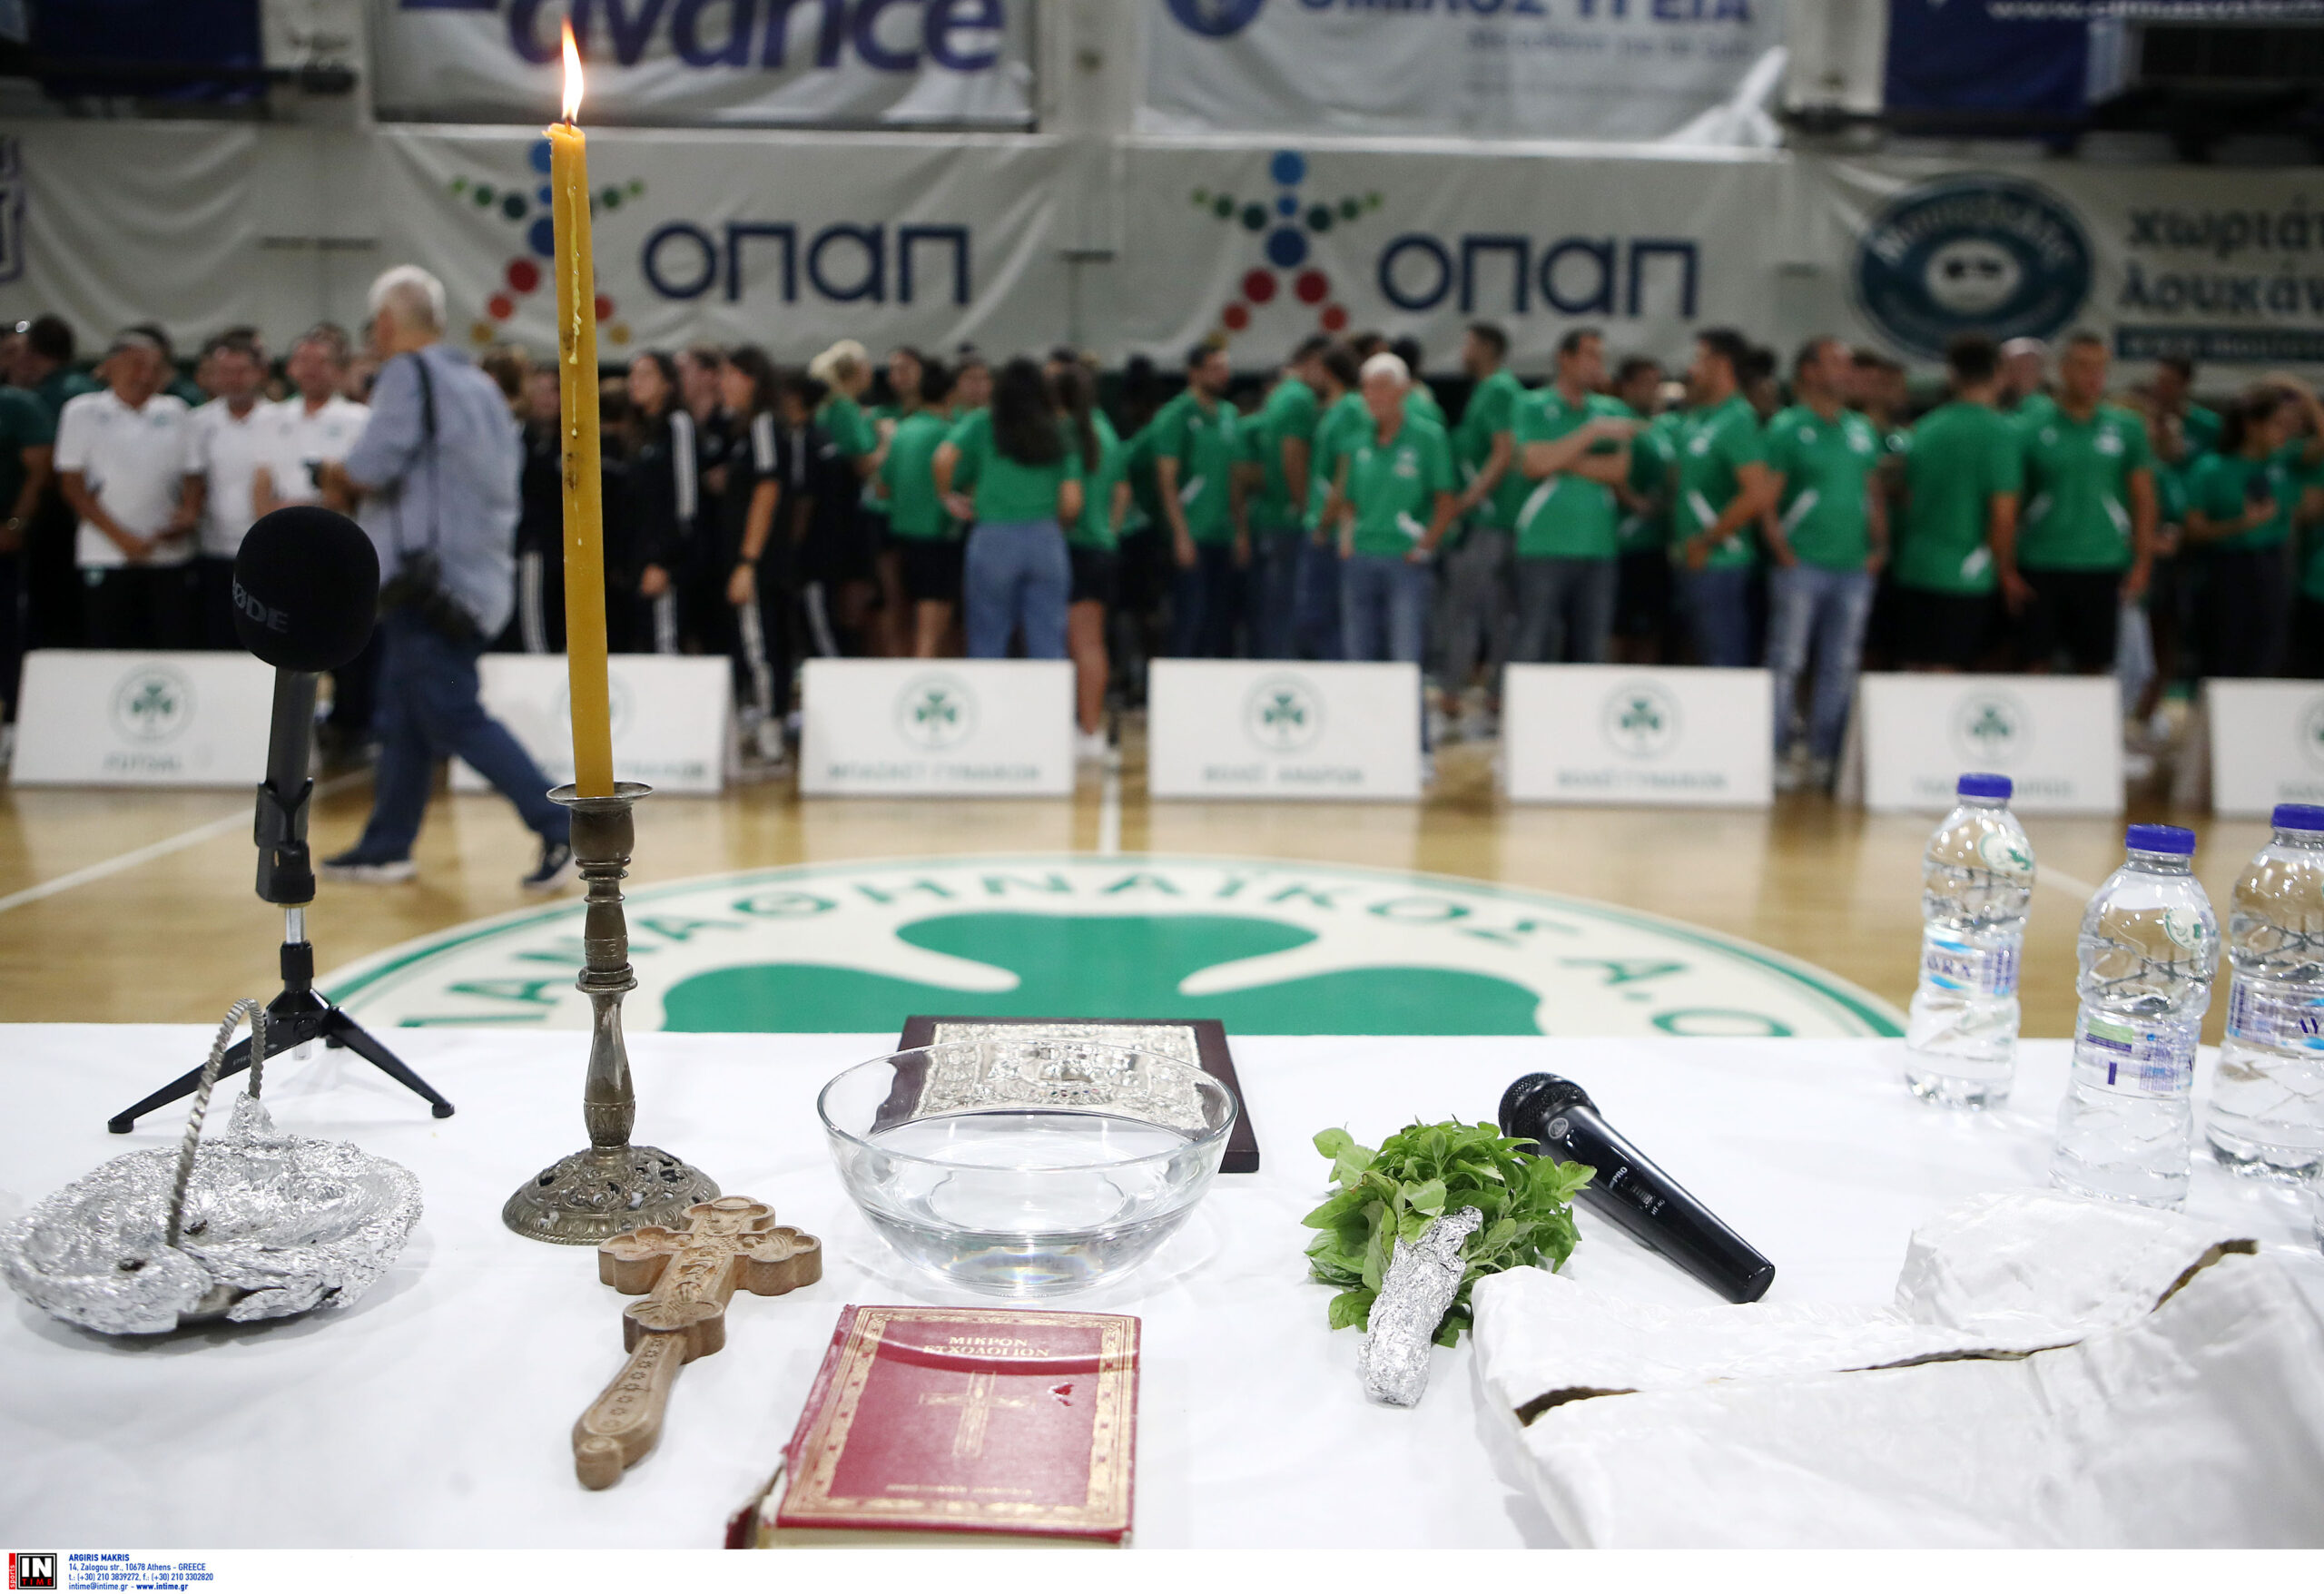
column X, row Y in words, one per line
column 1096, row 528
column 1564, row 516
column 1826, row 466
column 1345, row 424
column 1394, row 486
column 1201, row 438
column 914, row 510
column 1290, row 411
column 1007, row 491
column 1492, row 410
column 2222, row 485
column 1420, row 404
column 1654, row 453
column 850, row 430
column 60, row 388
column 1956, row 459
column 2078, row 488
column 1712, row 445
column 2032, row 411
column 24, row 423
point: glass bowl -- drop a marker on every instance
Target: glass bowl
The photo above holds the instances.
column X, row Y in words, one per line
column 1023, row 1166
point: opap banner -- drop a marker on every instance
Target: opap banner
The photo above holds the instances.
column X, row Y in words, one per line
column 824, row 64
column 1599, row 69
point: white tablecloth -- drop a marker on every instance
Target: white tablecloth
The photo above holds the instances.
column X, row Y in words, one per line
column 436, row 1413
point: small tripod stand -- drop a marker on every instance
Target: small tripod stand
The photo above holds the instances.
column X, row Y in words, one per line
column 286, row 876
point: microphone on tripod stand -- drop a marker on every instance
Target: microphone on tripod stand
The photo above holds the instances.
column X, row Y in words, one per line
column 306, row 595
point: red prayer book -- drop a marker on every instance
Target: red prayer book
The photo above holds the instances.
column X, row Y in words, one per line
column 990, row 1425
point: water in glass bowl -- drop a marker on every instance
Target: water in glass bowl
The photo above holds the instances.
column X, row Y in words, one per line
column 1027, row 1202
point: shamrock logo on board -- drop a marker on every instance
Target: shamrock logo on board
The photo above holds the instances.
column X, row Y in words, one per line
column 1989, row 729
column 936, row 711
column 1640, row 720
column 1283, row 715
column 153, row 703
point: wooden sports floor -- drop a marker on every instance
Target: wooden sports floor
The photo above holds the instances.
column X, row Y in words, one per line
column 137, row 906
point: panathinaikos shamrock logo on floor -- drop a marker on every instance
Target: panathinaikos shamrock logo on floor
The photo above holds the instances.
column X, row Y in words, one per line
column 1269, row 947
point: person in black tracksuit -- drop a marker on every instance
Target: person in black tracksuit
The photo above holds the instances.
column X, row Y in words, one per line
column 536, row 625
column 680, row 577
column 757, row 562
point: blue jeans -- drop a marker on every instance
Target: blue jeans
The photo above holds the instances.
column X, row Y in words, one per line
column 1205, row 603
column 1827, row 608
column 1384, row 614
column 1016, row 573
column 1718, row 606
column 1315, row 601
column 1565, row 610
column 1275, row 590
column 427, row 709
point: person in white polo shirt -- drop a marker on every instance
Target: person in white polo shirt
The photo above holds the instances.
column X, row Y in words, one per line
column 121, row 463
column 315, row 427
column 228, row 441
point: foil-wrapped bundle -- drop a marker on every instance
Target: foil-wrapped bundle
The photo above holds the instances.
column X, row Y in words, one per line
column 269, row 1224
column 1423, row 1276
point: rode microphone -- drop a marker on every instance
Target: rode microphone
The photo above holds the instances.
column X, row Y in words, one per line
column 306, row 595
column 1629, row 1191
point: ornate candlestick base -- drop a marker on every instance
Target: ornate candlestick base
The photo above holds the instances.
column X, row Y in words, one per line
column 589, row 1197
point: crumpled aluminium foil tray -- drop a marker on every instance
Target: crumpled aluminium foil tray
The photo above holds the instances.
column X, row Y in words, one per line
column 274, row 1226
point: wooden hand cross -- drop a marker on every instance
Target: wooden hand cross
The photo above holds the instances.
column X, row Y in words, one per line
column 727, row 1245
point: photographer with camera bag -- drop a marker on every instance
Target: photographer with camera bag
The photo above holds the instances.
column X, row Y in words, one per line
column 436, row 472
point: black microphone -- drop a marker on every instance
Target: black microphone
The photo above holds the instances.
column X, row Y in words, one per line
column 306, row 595
column 1629, row 1191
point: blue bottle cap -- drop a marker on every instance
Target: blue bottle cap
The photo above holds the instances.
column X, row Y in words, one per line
column 2297, row 816
column 2160, row 838
column 1985, row 786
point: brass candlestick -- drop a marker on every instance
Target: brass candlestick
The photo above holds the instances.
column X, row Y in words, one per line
column 590, row 1196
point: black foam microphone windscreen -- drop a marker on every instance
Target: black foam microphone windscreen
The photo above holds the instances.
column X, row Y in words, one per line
column 306, row 588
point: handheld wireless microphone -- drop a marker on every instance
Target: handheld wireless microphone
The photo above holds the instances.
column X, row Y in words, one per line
column 1629, row 1191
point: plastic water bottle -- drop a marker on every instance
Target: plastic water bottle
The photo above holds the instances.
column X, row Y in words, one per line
column 2149, row 949
column 1976, row 885
column 2267, row 1116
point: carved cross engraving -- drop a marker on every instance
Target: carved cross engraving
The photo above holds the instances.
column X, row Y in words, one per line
column 686, row 1276
column 977, row 1404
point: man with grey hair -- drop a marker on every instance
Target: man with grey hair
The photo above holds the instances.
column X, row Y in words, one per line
column 436, row 474
column 121, row 463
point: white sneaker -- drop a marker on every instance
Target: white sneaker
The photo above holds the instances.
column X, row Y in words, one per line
column 1819, row 773
column 370, row 871
column 1480, row 725
column 768, row 735
column 2138, row 764
column 1792, row 771
column 1091, row 747
column 1427, row 768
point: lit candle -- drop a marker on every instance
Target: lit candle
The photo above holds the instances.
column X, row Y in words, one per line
column 576, row 374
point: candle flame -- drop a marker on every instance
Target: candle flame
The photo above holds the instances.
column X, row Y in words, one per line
column 572, row 73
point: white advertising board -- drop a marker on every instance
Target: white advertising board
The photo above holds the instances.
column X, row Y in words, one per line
column 2267, row 744
column 90, row 718
column 937, row 728
column 1225, row 728
column 2059, row 741
column 673, row 718
column 1615, row 734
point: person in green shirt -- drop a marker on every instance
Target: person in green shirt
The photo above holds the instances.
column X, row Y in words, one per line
column 1479, row 569
column 1091, row 545
column 1420, row 398
column 1826, row 536
column 27, row 454
column 1961, row 475
column 1719, row 488
column 1281, row 438
column 1025, row 474
column 2241, row 503
column 1193, row 463
column 1401, row 497
column 924, row 538
column 1341, row 421
column 1573, row 446
column 1642, row 535
column 2024, row 395
column 52, row 583
column 2085, row 546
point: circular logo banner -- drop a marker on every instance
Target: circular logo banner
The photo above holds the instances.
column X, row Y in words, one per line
column 1270, row 948
column 1283, row 715
column 936, row 711
column 1972, row 253
column 153, row 703
column 1989, row 729
column 1640, row 720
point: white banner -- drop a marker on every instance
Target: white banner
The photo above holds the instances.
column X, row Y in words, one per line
column 936, row 727
column 673, row 718
column 1223, row 728
column 884, row 62
column 2221, row 265
column 2267, row 744
column 2060, row 742
column 1631, row 737
column 1576, row 69
column 142, row 719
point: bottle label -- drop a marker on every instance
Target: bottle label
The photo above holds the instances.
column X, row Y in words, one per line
column 2004, row 854
column 2157, row 1062
column 2185, row 927
column 1954, row 965
column 2282, row 1023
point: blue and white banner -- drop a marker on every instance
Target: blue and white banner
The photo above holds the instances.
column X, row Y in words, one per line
column 1597, row 70
column 792, row 63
